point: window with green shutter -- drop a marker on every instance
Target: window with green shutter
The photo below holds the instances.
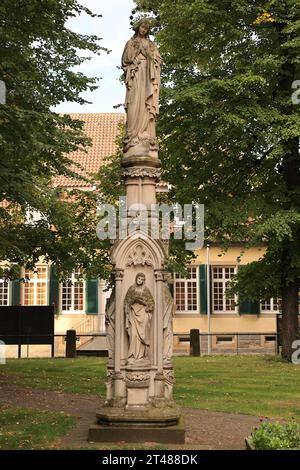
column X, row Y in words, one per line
column 54, row 289
column 249, row 308
column 4, row 292
column 203, row 289
column 15, row 292
column 72, row 293
column 91, row 296
column 186, row 291
column 220, row 279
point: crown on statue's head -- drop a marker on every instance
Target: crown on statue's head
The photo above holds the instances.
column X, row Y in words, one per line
column 142, row 20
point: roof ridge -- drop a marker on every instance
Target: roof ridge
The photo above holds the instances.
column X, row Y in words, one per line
column 97, row 114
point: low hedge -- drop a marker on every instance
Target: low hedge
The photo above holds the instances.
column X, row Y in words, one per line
column 275, row 436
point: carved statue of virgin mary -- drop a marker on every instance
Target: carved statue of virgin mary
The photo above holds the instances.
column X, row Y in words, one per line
column 141, row 63
column 138, row 306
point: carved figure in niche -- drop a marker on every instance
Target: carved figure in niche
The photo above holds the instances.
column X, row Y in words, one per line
column 168, row 313
column 110, row 325
column 138, row 307
column 141, row 63
column 169, row 383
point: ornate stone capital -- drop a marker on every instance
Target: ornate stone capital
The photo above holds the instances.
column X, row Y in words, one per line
column 109, row 376
column 119, row 274
column 142, row 172
column 159, row 274
column 169, row 376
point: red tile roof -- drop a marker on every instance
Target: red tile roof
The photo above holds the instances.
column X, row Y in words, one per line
column 103, row 129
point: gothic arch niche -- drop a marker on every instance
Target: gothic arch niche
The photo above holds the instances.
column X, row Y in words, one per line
column 140, row 255
column 138, row 250
column 135, row 255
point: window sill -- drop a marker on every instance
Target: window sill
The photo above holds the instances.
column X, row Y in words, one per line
column 73, row 312
column 193, row 312
column 216, row 314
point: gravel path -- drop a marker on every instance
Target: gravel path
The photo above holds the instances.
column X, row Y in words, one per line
column 204, row 429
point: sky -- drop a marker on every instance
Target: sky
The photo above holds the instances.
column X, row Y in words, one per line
column 114, row 28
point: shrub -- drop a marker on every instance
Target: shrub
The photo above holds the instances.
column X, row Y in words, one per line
column 276, row 436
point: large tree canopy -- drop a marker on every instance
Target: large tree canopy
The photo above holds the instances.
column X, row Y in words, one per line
column 38, row 53
column 230, row 130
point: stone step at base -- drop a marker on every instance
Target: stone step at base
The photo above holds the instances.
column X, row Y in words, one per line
column 162, row 435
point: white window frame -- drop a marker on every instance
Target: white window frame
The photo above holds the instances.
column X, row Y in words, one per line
column 72, row 310
column 2, row 281
column 36, row 281
column 223, row 280
column 185, row 281
column 271, row 301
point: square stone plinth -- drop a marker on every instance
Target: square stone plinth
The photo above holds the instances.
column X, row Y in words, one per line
column 137, row 396
column 136, row 434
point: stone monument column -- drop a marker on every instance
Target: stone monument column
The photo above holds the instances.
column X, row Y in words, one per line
column 140, row 310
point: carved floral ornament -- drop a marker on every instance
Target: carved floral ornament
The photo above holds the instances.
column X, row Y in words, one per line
column 169, row 376
column 140, row 256
column 142, row 173
column 135, row 377
column 109, row 376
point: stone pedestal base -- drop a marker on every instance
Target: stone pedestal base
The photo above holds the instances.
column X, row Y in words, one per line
column 138, row 424
column 145, row 160
column 138, row 433
column 141, row 150
column 139, row 416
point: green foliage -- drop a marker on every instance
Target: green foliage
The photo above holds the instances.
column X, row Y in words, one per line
column 276, row 436
column 38, row 54
column 228, row 127
column 266, row 281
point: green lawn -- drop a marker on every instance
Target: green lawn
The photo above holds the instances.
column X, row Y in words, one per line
column 30, row 429
column 82, row 375
column 256, row 385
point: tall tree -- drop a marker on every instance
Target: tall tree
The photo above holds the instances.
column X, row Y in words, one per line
column 230, row 121
column 38, row 56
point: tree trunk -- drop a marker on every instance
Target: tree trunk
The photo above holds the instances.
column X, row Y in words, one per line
column 291, row 176
column 289, row 318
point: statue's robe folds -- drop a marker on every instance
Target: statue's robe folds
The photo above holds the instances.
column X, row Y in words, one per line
column 110, row 324
column 139, row 305
column 169, row 309
column 141, row 63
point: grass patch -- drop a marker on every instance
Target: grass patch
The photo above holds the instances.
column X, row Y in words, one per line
column 22, row 428
column 82, row 375
column 256, row 385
